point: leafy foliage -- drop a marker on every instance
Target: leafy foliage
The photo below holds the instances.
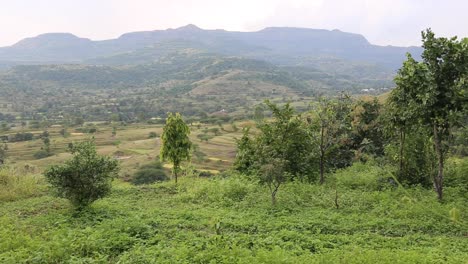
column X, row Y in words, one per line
column 330, row 124
column 432, row 93
column 86, row 177
column 176, row 144
column 231, row 220
column 150, row 173
column 284, row 138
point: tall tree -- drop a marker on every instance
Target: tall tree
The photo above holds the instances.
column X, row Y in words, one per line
column 438, row 92
column 444, row 97
column 176, row 144
column 402, row 105
column 46, row 141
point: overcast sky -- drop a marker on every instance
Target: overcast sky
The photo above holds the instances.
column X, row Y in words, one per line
column 383, row 22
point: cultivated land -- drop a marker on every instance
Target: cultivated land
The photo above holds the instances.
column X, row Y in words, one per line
column 131, row 145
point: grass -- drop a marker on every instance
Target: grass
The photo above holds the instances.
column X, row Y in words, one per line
column 231, row 220
column 15, row 185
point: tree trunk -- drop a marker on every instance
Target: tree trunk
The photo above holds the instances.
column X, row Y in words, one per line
column 402, row 144
column 175, row 173
column 322, row 154
column 439, row 178
column 336, row 198
column 273, row 197
column 322, row 180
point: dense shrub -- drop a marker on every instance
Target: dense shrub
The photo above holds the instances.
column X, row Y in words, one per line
column 418, row 161
column 41, row 154
column 365, row 176
column 84, row 178
column 226, row 191
column 20, row 137
column 150, row 173
column 153, row 135
column 457, row 173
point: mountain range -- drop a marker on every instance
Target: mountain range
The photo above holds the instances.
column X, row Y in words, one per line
column 282, row 46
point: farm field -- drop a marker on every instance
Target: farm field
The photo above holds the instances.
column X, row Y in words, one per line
column 132, row 146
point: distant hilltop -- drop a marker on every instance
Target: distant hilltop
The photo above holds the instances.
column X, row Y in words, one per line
column 286, row 46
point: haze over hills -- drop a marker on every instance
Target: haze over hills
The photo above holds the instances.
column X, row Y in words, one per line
column 280, row 45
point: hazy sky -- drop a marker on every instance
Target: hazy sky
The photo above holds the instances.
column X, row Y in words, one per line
column 384, row 22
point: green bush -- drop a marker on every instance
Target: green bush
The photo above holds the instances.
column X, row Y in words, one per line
column 226, row 191
column 456, row 174
column 365, row 176
column 418, row 160
column 84, row 178
column 150, row 173
column 41, row 154
column 153, row 135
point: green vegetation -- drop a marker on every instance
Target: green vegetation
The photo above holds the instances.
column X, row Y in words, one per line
column 85, row 178
column 19, row 184
column 430, row 93
column 176, row 145
column 3, row 153
column 231, row 220
column 150, row 173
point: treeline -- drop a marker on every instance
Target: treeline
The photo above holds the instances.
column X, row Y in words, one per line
column 413, row 130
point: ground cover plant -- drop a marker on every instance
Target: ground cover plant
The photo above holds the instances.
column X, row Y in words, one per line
column 231, row 220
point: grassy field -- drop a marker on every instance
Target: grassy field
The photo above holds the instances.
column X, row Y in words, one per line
column 231, row 220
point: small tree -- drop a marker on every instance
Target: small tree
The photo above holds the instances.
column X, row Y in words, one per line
column 284, row 137
column 46, row 141
column 330, row 124
column 86, row 177
column 414, row 156
column 273, row 175
column 114, row 132
column 176, row 144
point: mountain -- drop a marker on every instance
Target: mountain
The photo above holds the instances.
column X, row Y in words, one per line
column 280, row 45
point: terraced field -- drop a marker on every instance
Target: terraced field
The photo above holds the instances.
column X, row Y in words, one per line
column 131, row 145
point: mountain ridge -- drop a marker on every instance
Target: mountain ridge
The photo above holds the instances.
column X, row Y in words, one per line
column 280, row 45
